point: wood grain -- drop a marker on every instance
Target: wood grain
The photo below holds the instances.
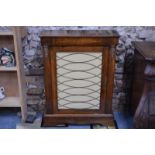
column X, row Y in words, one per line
column 56, row 119
column 12, row 79
column 62, row 41
column 143, row 87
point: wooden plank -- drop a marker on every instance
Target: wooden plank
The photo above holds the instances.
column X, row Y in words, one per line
column 104, row 79
column 9, row 81
column 80, row 33
column 110, row 82
column 56, row 119
column 10, row 102
column 79, row 41
column 7, row 69
column 20, row 70
column 6, row 33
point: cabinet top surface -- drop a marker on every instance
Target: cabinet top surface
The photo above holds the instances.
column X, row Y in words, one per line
column 79, row 33
column 147, row 49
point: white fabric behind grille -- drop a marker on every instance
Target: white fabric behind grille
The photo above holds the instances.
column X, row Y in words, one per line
column 79, row 80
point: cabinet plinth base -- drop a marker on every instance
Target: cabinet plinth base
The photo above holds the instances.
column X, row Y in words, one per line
column 57, row 119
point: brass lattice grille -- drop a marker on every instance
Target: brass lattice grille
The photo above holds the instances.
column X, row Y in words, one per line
column 79, row 80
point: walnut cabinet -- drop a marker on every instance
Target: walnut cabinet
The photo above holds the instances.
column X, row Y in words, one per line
column 79, row 76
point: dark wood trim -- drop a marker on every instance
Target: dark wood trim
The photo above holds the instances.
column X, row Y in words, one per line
column 79, row 33
column 79, row 111
column 78, row 49
column 78, row 41
column 103, row 80
column 110, row 83
column 56, row 119
column 53, row 79
column 47, row 81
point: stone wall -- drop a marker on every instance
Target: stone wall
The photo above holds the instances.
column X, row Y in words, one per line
column 33, row 63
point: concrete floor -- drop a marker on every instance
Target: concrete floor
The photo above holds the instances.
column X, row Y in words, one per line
column 10, row 119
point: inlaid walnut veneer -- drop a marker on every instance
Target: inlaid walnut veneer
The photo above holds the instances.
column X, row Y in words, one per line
column 79, row 76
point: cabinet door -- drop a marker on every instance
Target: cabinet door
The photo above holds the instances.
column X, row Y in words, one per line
column 78, row 79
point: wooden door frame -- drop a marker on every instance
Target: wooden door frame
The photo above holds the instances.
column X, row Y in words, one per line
column 53, row 73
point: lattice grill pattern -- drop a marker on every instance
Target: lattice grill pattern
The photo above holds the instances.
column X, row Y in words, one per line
column 79, row 80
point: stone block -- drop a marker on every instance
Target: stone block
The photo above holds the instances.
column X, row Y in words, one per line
column 35, row 125
column 33, row 44
column 35, row 91
column 34, row 72
column 30, row 53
